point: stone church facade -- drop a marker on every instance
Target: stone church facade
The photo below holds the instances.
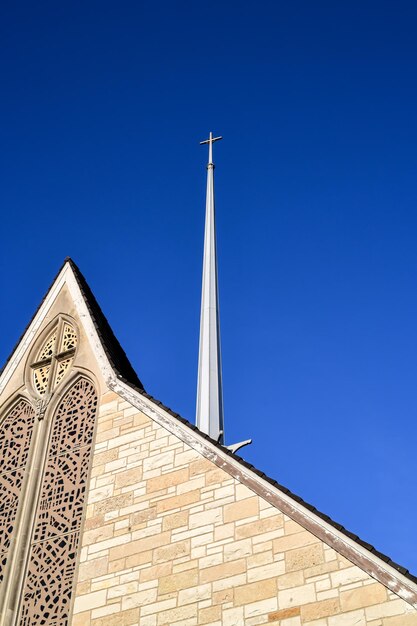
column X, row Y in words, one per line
column 114, row 511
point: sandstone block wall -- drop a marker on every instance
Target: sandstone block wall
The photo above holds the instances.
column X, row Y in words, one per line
column 172, row 540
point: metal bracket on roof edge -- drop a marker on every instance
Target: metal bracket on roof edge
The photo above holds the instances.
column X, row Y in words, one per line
column 236, row 446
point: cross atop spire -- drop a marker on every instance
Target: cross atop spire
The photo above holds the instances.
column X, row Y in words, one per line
column 210, row 142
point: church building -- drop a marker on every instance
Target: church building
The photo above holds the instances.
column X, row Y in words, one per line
column 116, row 511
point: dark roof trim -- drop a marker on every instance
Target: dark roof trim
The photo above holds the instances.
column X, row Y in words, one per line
column 114, row 351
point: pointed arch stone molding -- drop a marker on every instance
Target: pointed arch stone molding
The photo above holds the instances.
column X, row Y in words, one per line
column 52, row 558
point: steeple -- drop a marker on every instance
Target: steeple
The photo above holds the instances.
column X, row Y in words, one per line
column 209, row 413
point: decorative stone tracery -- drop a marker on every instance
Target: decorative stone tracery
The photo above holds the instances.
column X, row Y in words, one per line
column 15, row 437
column 55, row 358
column 53, row 553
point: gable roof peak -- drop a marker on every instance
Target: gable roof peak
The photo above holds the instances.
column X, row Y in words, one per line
column 114, row 352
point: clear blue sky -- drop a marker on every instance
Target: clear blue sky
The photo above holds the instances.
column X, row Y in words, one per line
column 101, row 111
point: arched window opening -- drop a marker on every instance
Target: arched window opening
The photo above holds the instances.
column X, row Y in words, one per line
column 55, row 541
column 15, row 437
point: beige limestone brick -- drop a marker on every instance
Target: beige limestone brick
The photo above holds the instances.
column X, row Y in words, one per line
column 291, row 526
column 194, row 594
column 261, row 558
column 175, row 520
column 141, row 420
column 323, row 568
column 92, row 569
column 209, row 614
column 304, row 557
column 242, row 509
column 89, row 601
column 122, row 590
column 169, row 479
column 296, row 596
column 201, row 466
column 191, row 485
column 97, row 534
column 233, row 616
column 284, row 614
column 214, row 516
column 385, row 609
column 113, row 504
column 128, row 477
column 104, row 457
column 224, row 531
column 403, row 620
column 173, row 551
column 317, row 610
column 225, row 570
column 115, row 465
column 122, row 524
column 155, row 572
column 169, row 616
column 293, row 579
column 253, row 592
column 265, row 537
column 216, row 476
column 215, row 503
column 176, row 502
column 109, row 544
column 259, row 527
column 138, row 518
column 261, row 607
column 243, row 492
column 266, row 571
column 140, row 545
column 184, row 564
column 148, row 531
column 99, row 494
column 109, row 396
column 347, row 576
column 223, row 596
column 224, row 491
column 352, row 618
column 107, row 435
column 228, row 583
column 214, row 558
column 135, row 560
column 180, row 534
column 83, row 587
column 124, row 618
column 186, row 456
column 297, row 540
column 363, row 596
column 295, row 621
column 139, row 599
column 237, row 549
column 103, row 611
column 175, row 582
column 81, row 619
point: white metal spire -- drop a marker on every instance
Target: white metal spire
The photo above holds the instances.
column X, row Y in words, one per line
column 209, row 414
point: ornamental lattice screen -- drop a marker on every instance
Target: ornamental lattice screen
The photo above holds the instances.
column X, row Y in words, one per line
column 15, row 437
column 53, row 551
